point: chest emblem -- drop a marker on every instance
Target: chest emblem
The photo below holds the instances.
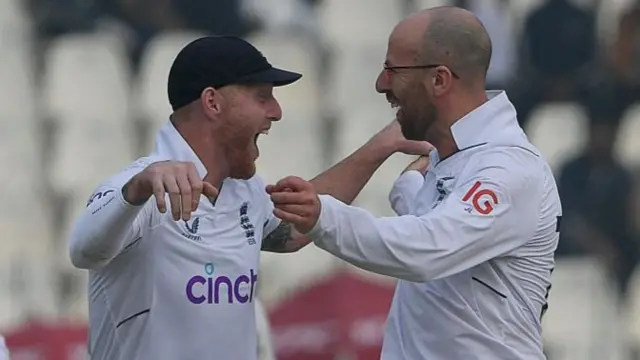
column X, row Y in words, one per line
column 246, row 225
column 191, row 230
column 442, row 189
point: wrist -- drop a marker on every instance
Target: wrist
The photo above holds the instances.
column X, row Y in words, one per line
column 381, row 148
column 132, row 192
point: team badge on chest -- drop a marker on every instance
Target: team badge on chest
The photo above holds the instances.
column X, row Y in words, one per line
column 246, row 225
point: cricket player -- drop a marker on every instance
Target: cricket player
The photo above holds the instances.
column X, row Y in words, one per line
column 172, row 243
column 473, row 244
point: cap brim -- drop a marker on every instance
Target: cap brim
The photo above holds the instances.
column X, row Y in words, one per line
column 275, row 76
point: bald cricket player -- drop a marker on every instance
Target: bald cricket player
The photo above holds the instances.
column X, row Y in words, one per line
column 473, row 244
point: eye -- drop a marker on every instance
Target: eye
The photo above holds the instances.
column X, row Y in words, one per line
column 264, row 96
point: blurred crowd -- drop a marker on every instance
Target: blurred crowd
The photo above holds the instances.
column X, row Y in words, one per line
column 557, row 54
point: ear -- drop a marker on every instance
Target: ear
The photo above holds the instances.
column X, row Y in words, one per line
column 442, row 81
column 211, row 101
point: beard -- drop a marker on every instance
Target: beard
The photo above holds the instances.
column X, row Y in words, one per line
column 241, row 151
column 417, row 115
column 243, row 165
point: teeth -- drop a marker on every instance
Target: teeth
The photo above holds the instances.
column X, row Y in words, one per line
column 266, row 132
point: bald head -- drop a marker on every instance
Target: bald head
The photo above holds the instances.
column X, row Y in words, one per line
column 453, row 37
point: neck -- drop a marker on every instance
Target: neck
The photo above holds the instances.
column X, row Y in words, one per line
column 206, row 148
column 452, row 110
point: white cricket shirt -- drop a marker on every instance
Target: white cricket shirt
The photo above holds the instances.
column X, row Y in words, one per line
column 4, row 352
column 161, row 289
column 473, row 247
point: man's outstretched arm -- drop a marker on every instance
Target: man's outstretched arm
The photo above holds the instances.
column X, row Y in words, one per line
column 345, row 180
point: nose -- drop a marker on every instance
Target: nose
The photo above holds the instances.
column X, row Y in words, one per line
column 275, row 111
column 382, row 82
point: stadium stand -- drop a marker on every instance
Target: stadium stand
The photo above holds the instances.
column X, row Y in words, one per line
column 151, row 106
column 25, row 220
column 358, row 22
column 86, row 97
column 627, row 145
column 558, row 130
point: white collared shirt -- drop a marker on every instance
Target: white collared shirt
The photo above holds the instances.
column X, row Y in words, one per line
column 161, row 289
column 4, row 352
column 472, row 248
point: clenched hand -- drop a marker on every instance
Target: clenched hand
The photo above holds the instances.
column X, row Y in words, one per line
column 296, row 202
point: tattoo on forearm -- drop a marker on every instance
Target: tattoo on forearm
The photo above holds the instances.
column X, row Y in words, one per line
column 277, row 240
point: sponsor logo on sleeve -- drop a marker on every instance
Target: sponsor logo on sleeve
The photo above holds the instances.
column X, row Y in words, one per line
column 99, row 195
column 482, row 199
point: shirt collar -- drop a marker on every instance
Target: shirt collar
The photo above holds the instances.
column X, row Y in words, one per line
column 490, row 121
column 495, row 121
column 171, row 144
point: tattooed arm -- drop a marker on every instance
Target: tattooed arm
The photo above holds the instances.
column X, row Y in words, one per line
column 284, row 239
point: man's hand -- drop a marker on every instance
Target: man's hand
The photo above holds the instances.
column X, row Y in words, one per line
column 179, row 179
column 296, row 202
column 391, row 137
column 421, row 164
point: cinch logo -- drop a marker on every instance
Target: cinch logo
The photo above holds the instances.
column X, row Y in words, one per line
column 217, row 289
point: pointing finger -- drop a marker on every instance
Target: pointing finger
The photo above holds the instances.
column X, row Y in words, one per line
column 209, row 191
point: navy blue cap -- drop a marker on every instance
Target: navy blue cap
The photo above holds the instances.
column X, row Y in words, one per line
column 218, row 61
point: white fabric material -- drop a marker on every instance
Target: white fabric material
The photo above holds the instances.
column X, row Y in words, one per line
column 473, row 245
column 4, row 352
column 164, row 289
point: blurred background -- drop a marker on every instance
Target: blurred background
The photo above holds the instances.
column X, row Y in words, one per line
column 83, row 90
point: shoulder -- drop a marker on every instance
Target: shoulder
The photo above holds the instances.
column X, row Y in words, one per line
column 131, row 170
column 508, row 162
column 516, row 174
column 114, row 183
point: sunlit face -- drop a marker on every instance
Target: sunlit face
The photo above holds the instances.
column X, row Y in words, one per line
column 249, row 114
column 406, row 90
